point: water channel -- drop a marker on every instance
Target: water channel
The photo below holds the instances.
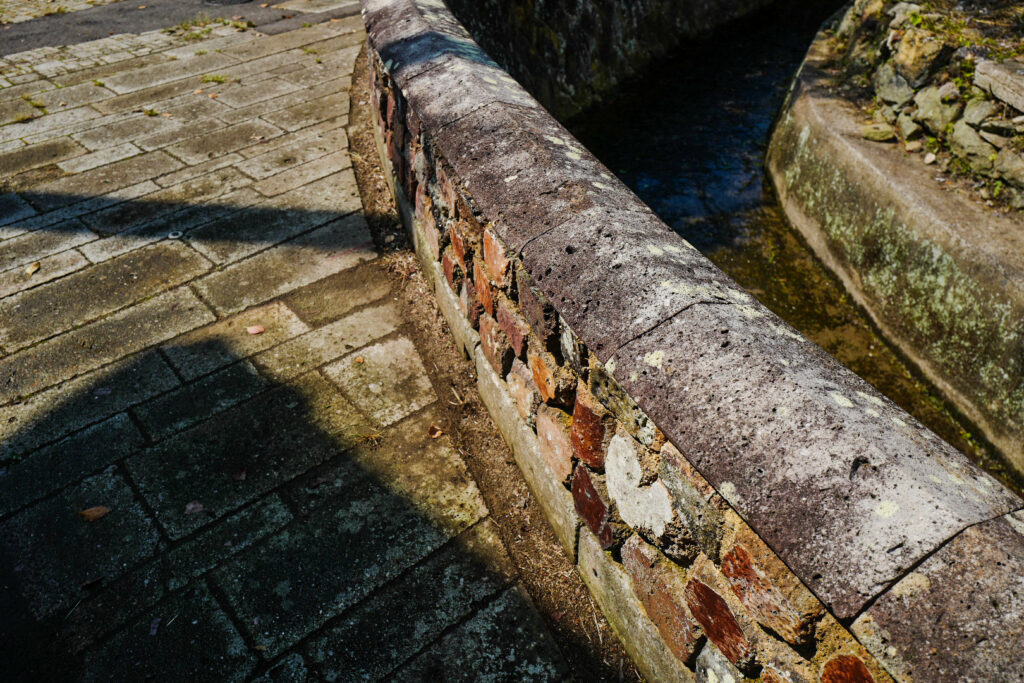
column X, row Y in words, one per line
column 689, row 138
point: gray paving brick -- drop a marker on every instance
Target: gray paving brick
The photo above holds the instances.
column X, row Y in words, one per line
column 54, row 307
column 268, row 145
column 102, row 180
column 243, row 453
column 325, row 344
column 50, row 268
column 54, row 581
column 337, row 193
column 73, row 96
column 124, row 127
column 193, row 640
column 33, row 246
column 310, row 112
column 102, row 71
column 223, row 141
column 99, row 158
column 302, row 94
column 101, row 342
column 291, row 585
column 242, row 95
column 328, row 68
column 197, row 401
column 71, row 406
column 196, row 170
column 13, row 110
column 48, row 123
column 268, row 45
column 222, row 343
column 75, row 207
column 67, row 461
column 337, row 295
column 175, row 135
column 299, row 150
column 13, row 208
column 407, row 614
column 158, row 74
column 34, row 156
column 147, row 97
column 387, row 380
column 327, row 250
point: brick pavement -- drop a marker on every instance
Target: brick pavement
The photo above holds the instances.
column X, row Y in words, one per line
column 198, row 350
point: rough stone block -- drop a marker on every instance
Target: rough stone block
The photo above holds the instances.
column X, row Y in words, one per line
column 469, row 305
column 538, row 312
column 524, row 391
column 464, row 237
column 498, row 264
column 596, row 507
column 1005, row 80
column 695, row 500
column 494, row 344
column 555, row 383
column 553, row 427
column 515, row 327
column 846, row 669
column 715, row 608
column 453, row 273
column 660, row 586
column 592, row 428
column 427, row 223
column 713, row 667
column 483, row 287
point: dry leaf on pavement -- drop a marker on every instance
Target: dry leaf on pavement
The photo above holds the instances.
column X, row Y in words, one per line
column 32, row 269
column 435, row 431
column 192, row 507
column 256, row 329
column 94, row 513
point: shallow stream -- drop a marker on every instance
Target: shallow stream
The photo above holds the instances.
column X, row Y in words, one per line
column 689, row 138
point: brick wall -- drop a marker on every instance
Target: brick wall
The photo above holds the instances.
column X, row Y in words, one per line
column 737, row 502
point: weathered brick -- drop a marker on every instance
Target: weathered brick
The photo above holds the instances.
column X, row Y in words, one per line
column 495, row 345
column 722, row 618
column 446, row 188
column 498, row 264
column 483, row 286
column 592, row 428
column 524, row 391
column 538, row 312
column 425, row 217
column 846, row 669
column 469, row 304
column 595, row 507
column 768, row 589
column 555, row 383
column 513, row 324
column 660, row 586
column 453, row 273
column 464, row 242
column 553, row 427
column 607, row 390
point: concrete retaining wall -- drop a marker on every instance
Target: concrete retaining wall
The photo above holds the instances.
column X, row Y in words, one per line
column 736, row 500
column 942, row 276
column 569, row 53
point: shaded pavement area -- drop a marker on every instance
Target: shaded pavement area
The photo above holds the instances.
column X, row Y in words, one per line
column 219, row 453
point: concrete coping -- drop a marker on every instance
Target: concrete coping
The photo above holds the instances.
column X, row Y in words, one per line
column 851, row 492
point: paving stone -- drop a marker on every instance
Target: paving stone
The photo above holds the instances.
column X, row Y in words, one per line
column 147, row 97
column 318, row 74
column 271, row 441
column 329, row 299
column 174, row 135
column 291, row 669
column 53, row 552
column 67, row 461
column 337, row 193
column 158, row 74
column 198, row 401
column 101, row 342
column 327, row 250
column 405, row 616
column 307, row 91
column 73, row 96
column 212, row 347
column 291, row 585
column 14, row 110
column 76, row 207
column 310, row 112
column 301, row 149
column 268, row 45
column 186, row 638
column 506, row 640
column 50, row 268
column 14, row 208
column 54, row 413
column 33, row 246
column 34, row 156
column 102, row 180
column 196, row 170
column 224, row 141
column 239, row 95
column 99, row 158
column 101, row 71
column 387, row 381
column 304, row 173
column 52, row 308
column 323, row 345
column 47, row 123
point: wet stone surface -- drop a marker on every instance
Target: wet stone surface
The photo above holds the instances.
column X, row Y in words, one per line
column 216, row 459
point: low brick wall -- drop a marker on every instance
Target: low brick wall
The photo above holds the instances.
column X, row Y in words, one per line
column 736, row 500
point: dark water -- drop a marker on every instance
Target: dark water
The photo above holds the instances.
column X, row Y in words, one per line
column 689, row 138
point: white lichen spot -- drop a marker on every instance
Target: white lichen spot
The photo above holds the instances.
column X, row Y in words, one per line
column 899, row 422
column 655, row 358
column 729, row 492
column 633, row 377
column 600, row 185
column 872, row 412
column 841, row 400
column 554, row 140
column 871, row 399
column 886, row 509
column 784, row 362
column 511, row 178
column 488, row 79
column 657, row 251
column 646, row 507
column 910, row 585
column 783, row 411
column 609, row 367
column 1016, row 523
column 573, row 154
column 934, row 479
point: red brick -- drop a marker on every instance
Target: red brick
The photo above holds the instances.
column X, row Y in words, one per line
column 769, row 591
column 660, row 586
column 498, row 265
column 483, row 286
column 539, row 314
column 469, row 304
column 712, row 612
column 553, row 382
column 595, row 507
column 553, row 427
column 462, row 247
column 592, row 428
column 524, row 391
column 513, row 324
column 495, row 345
column 846, row 669
column 452, row 271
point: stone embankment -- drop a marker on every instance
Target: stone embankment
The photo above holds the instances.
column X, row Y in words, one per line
column 740, row 505
column 922, row 232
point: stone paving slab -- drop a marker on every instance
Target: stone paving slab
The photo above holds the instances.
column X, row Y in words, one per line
column 197, row 344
